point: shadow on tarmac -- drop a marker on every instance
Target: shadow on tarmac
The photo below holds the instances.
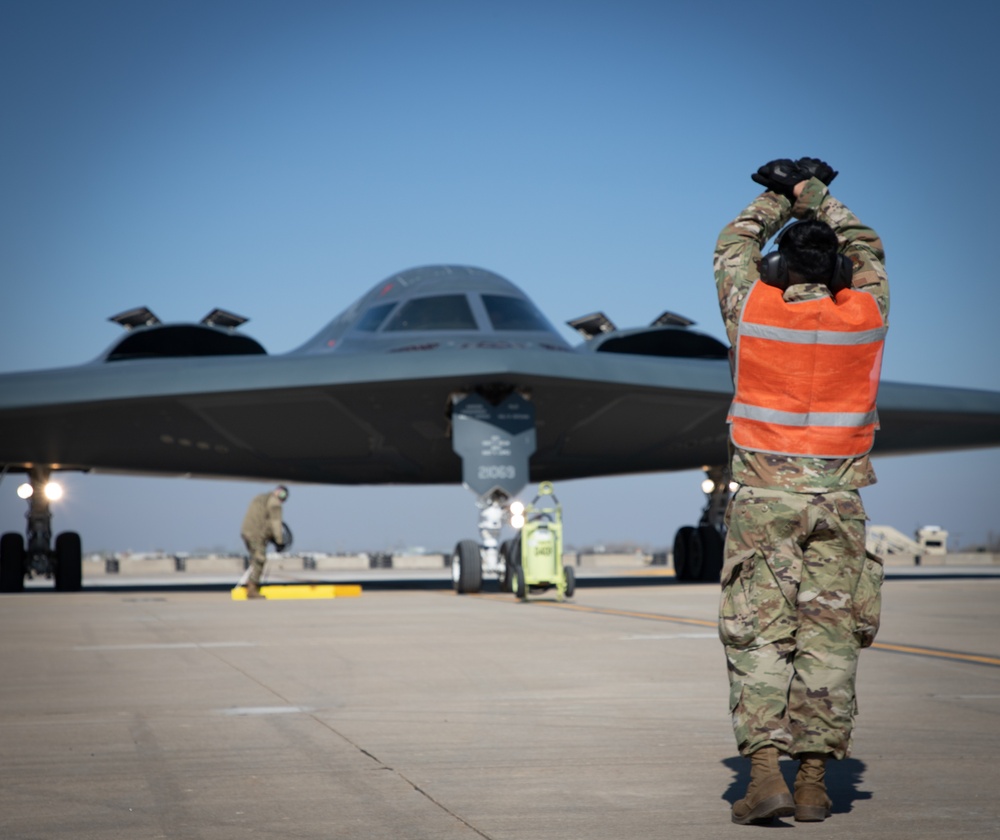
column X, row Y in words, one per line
column 843, row 781
column 171, row 584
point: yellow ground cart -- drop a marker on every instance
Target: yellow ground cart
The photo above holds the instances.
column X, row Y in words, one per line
column 535, row 558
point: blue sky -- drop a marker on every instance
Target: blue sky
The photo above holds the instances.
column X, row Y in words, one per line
column 278, row 157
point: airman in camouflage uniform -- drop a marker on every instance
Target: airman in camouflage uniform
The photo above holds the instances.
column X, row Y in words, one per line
column 800, row 597
column 261, row 525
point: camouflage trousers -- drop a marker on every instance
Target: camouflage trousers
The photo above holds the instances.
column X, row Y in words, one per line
column 257, row 549
column 800, row 598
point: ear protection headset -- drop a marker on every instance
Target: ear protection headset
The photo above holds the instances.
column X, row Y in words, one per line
column 774, row 267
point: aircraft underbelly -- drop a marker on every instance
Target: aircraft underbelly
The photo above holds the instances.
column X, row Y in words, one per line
column 306, row 426
column 379, row 431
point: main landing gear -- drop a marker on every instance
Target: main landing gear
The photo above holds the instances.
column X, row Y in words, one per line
column 698, row 550
column 62, row 561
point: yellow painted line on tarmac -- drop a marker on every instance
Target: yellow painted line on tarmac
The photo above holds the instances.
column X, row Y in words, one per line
column 291, row 592
column 678, row 619
column 913, row 650
column 934, row 653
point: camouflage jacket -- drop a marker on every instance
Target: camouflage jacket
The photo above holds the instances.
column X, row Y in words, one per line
column 737, row 254
column 263, row 519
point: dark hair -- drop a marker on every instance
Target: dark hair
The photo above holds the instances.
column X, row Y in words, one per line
column 809, row 248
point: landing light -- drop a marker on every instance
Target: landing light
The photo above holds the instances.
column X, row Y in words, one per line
column 53, row 491
column 707, row 486
column 517, row 515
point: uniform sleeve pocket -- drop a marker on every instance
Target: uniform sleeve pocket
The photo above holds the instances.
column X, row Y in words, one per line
column 868, row 600
column 851, row 507
column 737, row 615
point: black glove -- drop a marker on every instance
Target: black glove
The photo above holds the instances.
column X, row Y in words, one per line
column 816, row 168
column 780, row 176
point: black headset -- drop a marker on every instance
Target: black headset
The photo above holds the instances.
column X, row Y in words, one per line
column 774, row 267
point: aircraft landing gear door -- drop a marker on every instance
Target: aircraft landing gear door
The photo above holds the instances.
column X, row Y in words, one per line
column 495, row 443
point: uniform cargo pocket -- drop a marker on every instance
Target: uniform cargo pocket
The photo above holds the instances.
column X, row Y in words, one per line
column 737, row 615
column 868, row 600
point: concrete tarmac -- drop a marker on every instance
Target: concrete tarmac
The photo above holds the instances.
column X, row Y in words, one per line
column 414, row 713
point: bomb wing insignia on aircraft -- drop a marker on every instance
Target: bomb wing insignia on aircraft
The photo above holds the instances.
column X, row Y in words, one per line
column 441, row 374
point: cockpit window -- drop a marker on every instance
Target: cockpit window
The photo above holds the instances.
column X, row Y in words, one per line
column 511, row 313
column 445, row 312
column 373, row 318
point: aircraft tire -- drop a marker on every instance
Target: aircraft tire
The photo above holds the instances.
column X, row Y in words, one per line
column 696, row 556
column 712, row 545
column 69, row 562
column 682, row 543
column 11, row 562
column 467, row 568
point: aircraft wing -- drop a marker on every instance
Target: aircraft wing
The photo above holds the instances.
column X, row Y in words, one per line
column 373, row 419
column 369, row 399
column 359, row 419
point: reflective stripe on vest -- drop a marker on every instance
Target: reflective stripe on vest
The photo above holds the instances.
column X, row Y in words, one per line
column 806, row 374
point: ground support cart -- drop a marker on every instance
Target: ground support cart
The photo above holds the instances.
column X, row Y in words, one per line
column 535, row 557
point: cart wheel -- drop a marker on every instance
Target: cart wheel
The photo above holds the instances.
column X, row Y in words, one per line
column 517, row 582
column 516, row 574
column 504, row 579
column 570, row 581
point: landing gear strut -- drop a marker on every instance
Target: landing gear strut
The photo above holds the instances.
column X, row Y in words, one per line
column 698, row 549
column 472, row 561
column 63, row 561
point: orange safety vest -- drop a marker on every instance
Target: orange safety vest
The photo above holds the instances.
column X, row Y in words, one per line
column 806, row 374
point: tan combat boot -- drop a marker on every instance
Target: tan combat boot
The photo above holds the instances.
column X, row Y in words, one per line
column 811, row 802
column 253, row 590
column 767, row 794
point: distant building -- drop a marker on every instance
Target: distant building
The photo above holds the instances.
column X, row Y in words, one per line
column 884, row 540
column 932, row 540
